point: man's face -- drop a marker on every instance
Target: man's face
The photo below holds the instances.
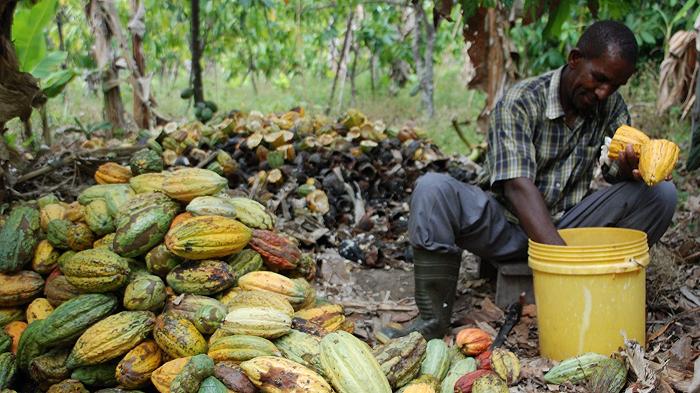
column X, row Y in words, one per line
column 596, row 79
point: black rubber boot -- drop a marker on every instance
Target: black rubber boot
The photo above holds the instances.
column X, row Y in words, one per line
column 435, row 276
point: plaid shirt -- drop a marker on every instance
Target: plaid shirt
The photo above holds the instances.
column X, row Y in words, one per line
column 528, row 137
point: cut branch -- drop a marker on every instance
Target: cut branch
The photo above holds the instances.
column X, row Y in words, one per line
column 341, row 60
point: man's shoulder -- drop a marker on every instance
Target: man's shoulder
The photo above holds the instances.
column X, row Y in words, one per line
column 532, row 89
column 533, row 85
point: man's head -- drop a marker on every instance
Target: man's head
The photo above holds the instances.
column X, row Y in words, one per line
column 603, row 60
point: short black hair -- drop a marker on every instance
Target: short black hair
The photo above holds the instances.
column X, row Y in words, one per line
column 608, row 37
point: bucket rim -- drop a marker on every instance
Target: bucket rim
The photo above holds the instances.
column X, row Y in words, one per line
column 599, row 267
column 642, row 239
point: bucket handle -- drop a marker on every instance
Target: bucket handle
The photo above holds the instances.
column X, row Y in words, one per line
column 634, row 262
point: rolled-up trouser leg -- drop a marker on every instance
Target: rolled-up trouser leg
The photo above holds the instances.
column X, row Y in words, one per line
column 628, row 204
column 447, row 216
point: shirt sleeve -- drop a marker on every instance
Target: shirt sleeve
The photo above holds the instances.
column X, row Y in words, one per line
column 619, row 115
column 511, row 151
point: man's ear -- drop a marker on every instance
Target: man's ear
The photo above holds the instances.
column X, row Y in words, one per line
column 575, row 57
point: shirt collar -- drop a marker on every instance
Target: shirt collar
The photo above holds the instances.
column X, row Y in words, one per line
column 554, row 108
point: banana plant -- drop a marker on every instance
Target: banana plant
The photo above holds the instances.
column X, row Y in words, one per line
column 28, row 28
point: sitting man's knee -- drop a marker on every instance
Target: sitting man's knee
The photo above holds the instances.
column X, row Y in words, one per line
column 433, row 183
column 430, row 187
column 665, row 194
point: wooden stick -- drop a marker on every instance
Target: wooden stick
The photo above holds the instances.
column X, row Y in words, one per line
column 671, row 320
column 377, row 306
column 75, row 156
column 460, row 134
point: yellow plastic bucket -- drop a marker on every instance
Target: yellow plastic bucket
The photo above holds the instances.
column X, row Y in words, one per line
column 591, row 292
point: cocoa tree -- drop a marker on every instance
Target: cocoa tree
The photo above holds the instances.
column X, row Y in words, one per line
column 99, row 13
column 196, row 48
column 19, row 91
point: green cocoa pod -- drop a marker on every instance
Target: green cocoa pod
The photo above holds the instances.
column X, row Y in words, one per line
column 96, row 375
column 209, row 318
column 211, row 206
column 68, row 386
column 252, row 213
column 245, row 262
column 145, row 161
column 28, row 347
column 5, row 341
column 8, row 369
column 195, row 371
column 47, row 199
column 189, row 305
column 145, row 292
column 144, row 229
column 138, row 203
column 96, row 270
column 212, row 385
column 9, row 314
column 99, row 191
column 98, row 218
column 118, row 200
column 50, row 368
column 160, row 261
column 18, row 238
column 69, row 320
column 66, row 235
column 201, row 278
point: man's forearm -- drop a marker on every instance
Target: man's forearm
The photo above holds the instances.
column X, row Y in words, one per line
column 531, row 210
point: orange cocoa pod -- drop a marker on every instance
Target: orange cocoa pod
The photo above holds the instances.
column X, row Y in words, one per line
column 15, row 329
column 473, row 341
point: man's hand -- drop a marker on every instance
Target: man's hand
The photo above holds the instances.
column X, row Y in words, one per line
column 628, row 164
column 531, row 210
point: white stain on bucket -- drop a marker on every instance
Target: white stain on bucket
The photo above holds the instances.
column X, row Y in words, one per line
column 585, row 318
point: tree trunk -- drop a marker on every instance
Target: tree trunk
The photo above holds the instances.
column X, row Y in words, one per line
column 137, row 27
column 427, row 83
column 59, row 27
column 694, row 154
column 106, row 61
column 424, row 41
column 341, row 60
column 489, row 56
column 196, row 49
column 353, row 70
column 19, row 91
column 48, row 139
column 373, row 71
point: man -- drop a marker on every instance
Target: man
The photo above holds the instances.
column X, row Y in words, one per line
column 545, row 137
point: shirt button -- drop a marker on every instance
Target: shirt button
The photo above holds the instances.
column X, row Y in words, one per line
column 558, row 184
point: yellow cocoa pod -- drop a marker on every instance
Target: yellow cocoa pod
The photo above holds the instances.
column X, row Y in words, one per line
column 53, row 211
column 506, row 365
column 39, row 308
column 165, row 374
column 45, row 257
column 297, row 377
column 135, row 369
column 626, row 135
column 112, row 173
column 207, row 237
column 657, row 159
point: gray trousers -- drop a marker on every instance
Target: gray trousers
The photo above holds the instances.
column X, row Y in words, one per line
column 448, row 216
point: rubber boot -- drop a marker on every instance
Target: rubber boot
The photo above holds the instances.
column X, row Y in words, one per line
column 435, row 276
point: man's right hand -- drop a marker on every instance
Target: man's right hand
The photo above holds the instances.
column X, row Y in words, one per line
column 531, row 210
column 628, row 164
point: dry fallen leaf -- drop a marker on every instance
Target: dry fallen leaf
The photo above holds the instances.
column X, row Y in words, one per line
column 646, row 377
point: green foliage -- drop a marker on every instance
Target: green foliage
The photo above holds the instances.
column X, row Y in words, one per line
column 28, row 32
column 55, row 82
